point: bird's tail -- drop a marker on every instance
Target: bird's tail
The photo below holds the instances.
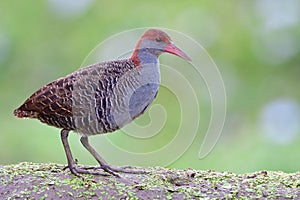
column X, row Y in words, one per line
column 24, row 114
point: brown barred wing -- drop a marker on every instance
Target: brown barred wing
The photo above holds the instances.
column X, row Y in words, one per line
column 52, row 104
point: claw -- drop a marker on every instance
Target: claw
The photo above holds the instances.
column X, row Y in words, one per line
column 94, row 170
column 126, row 169
column 85, row 170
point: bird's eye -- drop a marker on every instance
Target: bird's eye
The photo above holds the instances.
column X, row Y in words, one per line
column 158, row 39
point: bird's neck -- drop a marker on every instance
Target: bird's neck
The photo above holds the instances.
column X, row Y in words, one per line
column 143, row 57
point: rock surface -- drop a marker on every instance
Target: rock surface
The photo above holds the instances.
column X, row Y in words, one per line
column 51, row 181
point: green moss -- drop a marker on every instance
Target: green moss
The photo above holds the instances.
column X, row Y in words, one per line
column 38, row 181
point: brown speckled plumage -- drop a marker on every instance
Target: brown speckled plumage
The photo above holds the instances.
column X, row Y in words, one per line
column 52, row 104
column 60, row 103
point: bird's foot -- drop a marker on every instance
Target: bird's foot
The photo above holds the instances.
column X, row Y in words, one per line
column 124, row 169
column 94, row 170
column 85, row 170
column 97, row 168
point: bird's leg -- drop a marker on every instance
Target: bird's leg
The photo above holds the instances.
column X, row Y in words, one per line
column 103, row 164
column 71, row 164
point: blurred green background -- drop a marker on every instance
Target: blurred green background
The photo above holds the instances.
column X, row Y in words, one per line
column 255, row 44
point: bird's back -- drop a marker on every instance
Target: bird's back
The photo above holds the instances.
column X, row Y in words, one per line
column 96, row 99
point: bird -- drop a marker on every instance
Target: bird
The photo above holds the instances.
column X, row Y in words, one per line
column 102, row 98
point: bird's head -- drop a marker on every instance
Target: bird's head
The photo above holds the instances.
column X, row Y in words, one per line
column 157, row 42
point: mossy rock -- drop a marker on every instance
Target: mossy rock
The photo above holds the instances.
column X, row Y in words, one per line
column 51, row 181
